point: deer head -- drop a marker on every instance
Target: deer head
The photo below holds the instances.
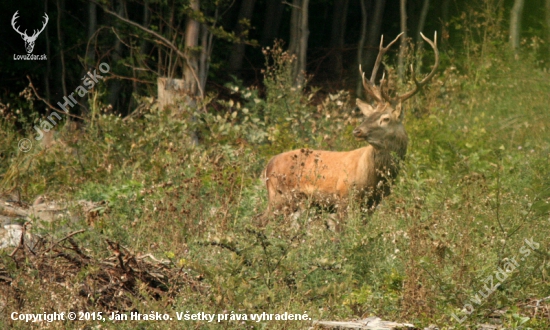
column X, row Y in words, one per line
column 29, row 40
column 383, row 121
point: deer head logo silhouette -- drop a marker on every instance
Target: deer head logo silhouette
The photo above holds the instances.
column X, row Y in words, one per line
column 29, row 40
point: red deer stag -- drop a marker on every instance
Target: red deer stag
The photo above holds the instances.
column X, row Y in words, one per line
column 329, row 178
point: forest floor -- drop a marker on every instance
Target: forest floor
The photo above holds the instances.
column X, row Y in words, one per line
column 170, row 228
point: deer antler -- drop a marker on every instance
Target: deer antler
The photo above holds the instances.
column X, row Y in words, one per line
column 419, row 85
column 371, row 89
column 47, row 19
column 378, row 93
column 381, row 52
column 13, row 19
column 24, row 34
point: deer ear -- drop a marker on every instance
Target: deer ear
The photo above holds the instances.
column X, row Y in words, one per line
column 365, row 108
column 398, row 112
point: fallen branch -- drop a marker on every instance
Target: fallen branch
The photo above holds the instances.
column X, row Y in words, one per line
column 48, row 103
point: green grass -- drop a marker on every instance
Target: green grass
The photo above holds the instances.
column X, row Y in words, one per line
column 475, row 185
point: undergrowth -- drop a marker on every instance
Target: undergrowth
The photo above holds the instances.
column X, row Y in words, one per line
column 475, row 187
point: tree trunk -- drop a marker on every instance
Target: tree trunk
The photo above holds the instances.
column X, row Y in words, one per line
column 294, row 27
column 515, row 25
column 304, row 36
column 172, row 59
column 403, row 43
column 444, row 23
column 419, row 40
column 206, row 49
column 48, row 63
column 146, row 18
column 191, row 81
column 190, row 71
column 92, row 27
column 273, row 16
column 422, row 20
column 373, row 37
column 90, row 50
column 299, row 34
column 143, row 52
column 547, row 18
column 116, row 85
column 60, row 7
column 361, row 45
column 337, row 36
column 237, row 55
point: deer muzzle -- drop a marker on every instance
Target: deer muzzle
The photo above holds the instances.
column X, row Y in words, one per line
column 359, row 133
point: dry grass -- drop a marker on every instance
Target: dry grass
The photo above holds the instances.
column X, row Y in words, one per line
column 473, row 187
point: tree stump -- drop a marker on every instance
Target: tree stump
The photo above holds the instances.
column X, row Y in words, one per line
column 169, row 91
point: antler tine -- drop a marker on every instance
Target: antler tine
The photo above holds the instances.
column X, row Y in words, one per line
column 14, row 18
column 46, row 20
column 365, row 83
column 419, row 85
column 13, row 23
column 369, row 88
column 381, row 52
column 37, row 32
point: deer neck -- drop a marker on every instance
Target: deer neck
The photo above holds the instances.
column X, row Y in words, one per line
column 388, row 157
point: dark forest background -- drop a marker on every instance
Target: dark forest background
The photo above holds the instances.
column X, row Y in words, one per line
column 221, row 38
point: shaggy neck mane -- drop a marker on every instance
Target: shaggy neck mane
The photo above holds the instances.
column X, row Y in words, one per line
column 388, row 157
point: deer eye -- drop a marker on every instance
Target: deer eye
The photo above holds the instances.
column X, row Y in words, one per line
column 385, row 120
